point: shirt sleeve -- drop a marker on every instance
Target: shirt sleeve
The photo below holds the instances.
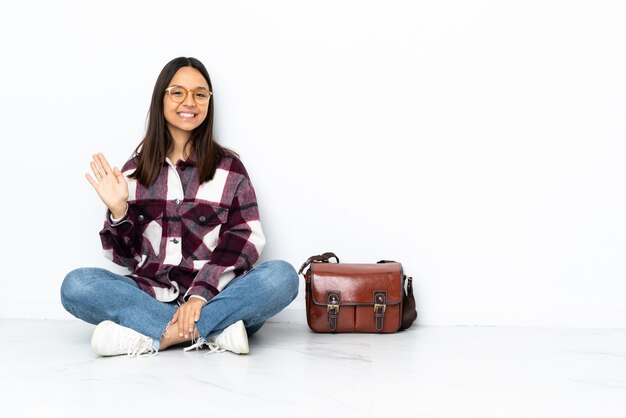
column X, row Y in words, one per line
column 241, row 241
column 121, row 241
column 118, row 220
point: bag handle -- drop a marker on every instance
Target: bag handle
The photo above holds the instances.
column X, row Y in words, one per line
column 323, row 258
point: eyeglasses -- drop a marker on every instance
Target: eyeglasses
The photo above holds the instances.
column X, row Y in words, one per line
column 178, row 94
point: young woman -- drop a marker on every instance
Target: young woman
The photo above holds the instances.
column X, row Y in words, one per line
column 183, row 218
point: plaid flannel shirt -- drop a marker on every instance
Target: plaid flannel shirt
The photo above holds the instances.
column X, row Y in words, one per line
column 180, row 238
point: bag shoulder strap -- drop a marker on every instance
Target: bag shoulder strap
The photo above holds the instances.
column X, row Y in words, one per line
column 323, row 258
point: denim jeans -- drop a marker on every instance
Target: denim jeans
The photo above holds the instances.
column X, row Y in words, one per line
column 95, row 295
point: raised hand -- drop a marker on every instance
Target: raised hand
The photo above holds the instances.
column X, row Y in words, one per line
column 110, row 185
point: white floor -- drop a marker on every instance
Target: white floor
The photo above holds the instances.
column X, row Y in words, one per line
column 48, row 370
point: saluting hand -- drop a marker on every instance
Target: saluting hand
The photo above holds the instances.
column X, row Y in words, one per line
column 110, row 185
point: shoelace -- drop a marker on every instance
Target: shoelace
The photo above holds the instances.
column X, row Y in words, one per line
column 211, row 343
column 198, row 344
column 214, row 348
column 142, row 348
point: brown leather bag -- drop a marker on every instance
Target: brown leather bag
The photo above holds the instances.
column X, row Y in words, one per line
column 344, row 297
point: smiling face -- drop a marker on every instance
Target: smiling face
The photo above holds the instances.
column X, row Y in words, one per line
column 182, row 118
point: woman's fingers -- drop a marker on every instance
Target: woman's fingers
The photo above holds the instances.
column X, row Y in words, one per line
column 181, row 321
column 175, row 318
column 101, row 169
column 118, row 175
column 104, row 163
column 100, row 166
column 91, row 180
column 189, row 322
column 96, row 162
column 96, row 172
column 186, row 317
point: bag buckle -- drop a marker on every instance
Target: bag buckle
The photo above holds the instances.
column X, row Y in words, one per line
column 332, row 299
column 380, row 306
column 332, row 308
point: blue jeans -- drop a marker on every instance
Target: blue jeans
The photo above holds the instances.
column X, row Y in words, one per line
column 95, row 295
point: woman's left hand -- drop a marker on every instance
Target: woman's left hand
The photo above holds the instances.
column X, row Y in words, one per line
column 187, row 315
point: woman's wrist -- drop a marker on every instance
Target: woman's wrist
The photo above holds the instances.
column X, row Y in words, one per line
column 118, row 213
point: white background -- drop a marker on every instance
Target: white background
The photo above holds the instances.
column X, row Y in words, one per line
column 480, row 143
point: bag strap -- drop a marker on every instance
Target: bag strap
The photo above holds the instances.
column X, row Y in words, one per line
column 409, row 313
column 323, row 258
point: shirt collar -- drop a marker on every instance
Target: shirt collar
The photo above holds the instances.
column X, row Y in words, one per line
column 189, row 162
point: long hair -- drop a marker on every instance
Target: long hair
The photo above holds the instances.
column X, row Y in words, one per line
column 153, row 149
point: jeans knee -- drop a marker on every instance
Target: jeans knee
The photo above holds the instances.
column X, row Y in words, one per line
column 74, row 285
column 282, row 278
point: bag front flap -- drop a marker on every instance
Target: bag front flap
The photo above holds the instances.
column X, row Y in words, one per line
column 356, row 283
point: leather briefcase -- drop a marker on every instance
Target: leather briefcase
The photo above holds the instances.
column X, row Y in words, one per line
column 342, row 297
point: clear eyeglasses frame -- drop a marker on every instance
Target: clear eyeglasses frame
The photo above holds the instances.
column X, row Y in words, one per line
column 200, row 95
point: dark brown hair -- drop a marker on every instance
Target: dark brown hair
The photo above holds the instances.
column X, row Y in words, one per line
column 153, row 149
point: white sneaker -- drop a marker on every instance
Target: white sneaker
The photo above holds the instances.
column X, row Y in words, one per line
column 111, row 339
column 233, row 339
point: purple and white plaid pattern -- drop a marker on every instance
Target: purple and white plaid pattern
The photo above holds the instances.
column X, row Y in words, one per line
column 180, row 238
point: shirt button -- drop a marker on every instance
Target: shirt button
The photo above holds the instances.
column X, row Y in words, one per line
column 202, row 218
column 175, row 240
column 176, row 201
column 140, row 218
